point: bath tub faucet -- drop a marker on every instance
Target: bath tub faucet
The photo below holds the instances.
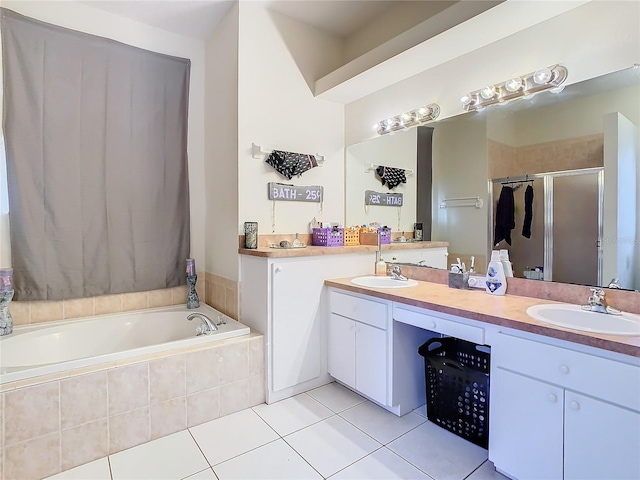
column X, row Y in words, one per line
column 207, row 328
column 597, row 303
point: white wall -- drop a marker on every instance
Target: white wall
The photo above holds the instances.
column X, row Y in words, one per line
column 221, row 148
column 399, row 151
column 87, row 19
column 277, row 110
column 576, row 118
column 400, row 18
column 460, row 169
column 591, row 40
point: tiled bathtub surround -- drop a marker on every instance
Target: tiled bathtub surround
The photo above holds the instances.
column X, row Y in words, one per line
column 24, row 313
column 221, row 294
column 566, row 154
column 60, row 424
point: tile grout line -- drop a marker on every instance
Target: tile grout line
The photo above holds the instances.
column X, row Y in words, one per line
column 199, row 448
column 475, row 469
column 59, row 427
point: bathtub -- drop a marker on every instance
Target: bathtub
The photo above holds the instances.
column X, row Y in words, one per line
column 36, row 350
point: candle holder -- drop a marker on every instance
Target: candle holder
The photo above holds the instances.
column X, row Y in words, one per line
column 192, row 296
column 251, row 235
column 6, row 294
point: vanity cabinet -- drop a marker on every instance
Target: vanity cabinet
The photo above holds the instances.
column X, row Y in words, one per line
column 285, row 300
column 431, row 257
column 559, row 413
column 358, row 350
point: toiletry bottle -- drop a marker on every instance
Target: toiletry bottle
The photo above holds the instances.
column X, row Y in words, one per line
column 506, row 264
column 496, row 282
column 381, row 267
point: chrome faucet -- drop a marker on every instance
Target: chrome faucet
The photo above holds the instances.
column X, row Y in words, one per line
column 396, row 273
column 208, row 326
column 614, row 283
column 597, row 303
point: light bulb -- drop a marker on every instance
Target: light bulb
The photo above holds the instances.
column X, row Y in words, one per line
column 422, row 111
column 376, row 126
column 405, row 117
column 542, row 76
column 513, row 84
column 466, row 100
column 389, row 122
column 488, row 92
column 557, row 89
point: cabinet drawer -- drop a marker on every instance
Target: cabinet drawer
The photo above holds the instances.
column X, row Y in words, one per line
column 438, row 324
column 616, row 382
column 361, row 309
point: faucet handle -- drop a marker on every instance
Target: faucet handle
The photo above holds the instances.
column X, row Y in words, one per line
column 613, row 283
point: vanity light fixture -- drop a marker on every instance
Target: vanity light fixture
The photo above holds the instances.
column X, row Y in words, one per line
column 409, row 119
column 516, row 87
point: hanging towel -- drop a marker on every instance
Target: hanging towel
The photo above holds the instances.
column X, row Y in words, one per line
column 505, row 216
column 528, row 212
column 390, row 176
column 290, row 164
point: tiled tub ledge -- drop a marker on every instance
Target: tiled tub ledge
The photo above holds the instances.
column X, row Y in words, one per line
column 51, row 424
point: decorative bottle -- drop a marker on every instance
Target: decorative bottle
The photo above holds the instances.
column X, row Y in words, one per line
column 192, row 278
column 6, row 294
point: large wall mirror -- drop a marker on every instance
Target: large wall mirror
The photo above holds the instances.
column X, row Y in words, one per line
column 576, row 152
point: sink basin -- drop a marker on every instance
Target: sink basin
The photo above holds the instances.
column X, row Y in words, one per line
column 573, row 317
column 382, row 282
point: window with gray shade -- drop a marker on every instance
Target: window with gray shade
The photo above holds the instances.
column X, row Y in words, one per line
column 96, row 144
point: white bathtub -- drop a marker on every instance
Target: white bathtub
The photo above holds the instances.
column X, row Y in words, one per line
column 44, row 349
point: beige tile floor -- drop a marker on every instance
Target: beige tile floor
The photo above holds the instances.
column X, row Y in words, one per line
column 326, row 433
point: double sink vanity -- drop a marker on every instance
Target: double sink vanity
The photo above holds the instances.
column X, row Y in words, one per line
column 564, row 403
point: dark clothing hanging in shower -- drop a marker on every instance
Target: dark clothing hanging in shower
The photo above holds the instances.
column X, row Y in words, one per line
column 528, row 212
column 505, row 216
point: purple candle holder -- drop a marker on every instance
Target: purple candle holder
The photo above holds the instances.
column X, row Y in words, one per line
column 6, row 279
column 191, row 266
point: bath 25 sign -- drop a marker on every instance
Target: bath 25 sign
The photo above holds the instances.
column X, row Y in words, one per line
column 295, row 193
column 382, row 199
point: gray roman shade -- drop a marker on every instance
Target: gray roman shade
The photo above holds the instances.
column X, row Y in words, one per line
column 96, row 139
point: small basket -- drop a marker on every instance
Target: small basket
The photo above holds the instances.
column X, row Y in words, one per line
column 371, row 238
column 351, row 237
column 328, row 237
column 457, row 381
column 385, row 235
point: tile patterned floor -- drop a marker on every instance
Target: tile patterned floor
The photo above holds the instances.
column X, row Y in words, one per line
column 326, row 433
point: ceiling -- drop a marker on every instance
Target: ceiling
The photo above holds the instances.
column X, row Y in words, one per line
column 199, row 18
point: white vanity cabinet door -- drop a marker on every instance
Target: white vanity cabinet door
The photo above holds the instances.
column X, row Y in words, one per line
column 602, row 440
column 435, row 257
column 296, row 330
column 342, row 349
column 550, row 397
column 525, row 433
column 431, row 257
column 371, row 362
column 358, row 344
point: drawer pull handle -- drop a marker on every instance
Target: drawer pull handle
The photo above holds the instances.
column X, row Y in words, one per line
column 278, row 269
column 564, row 369
column 574, row 405
column 433, row 324
column 553, row 398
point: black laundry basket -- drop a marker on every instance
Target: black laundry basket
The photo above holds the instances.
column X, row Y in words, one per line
column 457, row 380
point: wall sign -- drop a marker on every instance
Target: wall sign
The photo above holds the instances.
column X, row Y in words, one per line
column 383, row 199
column 295, row 193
